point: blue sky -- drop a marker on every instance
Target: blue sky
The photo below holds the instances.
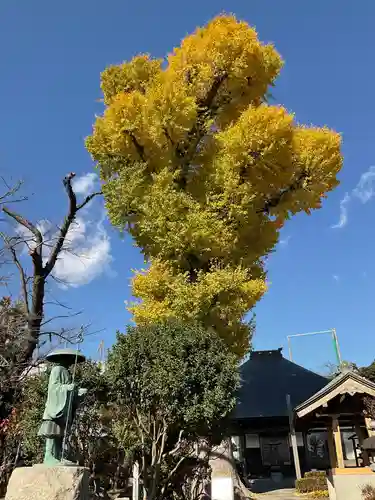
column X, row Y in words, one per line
column 321, row 277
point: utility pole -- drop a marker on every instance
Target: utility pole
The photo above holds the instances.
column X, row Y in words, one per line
column 331, row 332
column 101, row 354
column 336, row 346
column 101, row 350
column 293, row 437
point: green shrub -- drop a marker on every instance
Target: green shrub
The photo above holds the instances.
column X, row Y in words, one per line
column 311, row 484
column 319, row 494
column 316, row 473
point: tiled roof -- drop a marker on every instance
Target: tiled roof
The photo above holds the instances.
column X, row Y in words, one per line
column 267, row 377
column 335, row 383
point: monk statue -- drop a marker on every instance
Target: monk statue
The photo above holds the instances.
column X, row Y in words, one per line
column 62, row 401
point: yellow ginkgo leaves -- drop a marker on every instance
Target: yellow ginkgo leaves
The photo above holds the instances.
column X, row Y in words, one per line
column 203, row 173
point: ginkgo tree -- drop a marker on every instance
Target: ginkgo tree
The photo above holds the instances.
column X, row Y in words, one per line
column 203, row 172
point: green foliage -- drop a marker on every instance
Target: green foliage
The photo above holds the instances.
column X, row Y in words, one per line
column 30, row 416
column 91, row 421
column 91, row 434
column 173, row 384
column 313, row 482
column 18, row 438
column 87, row 425
column 12, row 339
column 316, row 473
column 180, row 373
column 88, row 421
column 333, row 370
column 319, row 494
column 368, row 371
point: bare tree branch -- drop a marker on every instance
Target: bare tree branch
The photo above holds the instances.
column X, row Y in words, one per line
column 72, row 212
column 34, row 306
column 54, row 318
column 25, row 223
column 23, row 279
column 88, row 199
column 11, row 191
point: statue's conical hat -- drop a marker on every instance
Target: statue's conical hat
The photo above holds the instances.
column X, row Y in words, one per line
column 71, row 355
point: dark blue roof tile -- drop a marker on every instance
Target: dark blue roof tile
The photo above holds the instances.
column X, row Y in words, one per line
column 266, row 378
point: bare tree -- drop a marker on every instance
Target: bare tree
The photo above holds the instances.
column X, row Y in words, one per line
column 44, row 253
column 10, row 191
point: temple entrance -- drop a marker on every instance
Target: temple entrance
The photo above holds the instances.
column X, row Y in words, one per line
column 275, row 451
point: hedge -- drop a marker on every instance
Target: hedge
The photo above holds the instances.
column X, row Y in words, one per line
column 319, row 494
column 312, row 482
column 315, row 473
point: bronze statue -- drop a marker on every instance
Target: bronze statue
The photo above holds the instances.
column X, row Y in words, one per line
column 62, row 400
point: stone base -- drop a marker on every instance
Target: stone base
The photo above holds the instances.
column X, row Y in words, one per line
column 41, row 482
column 344, row 484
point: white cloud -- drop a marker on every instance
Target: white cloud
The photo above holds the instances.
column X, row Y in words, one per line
column 365, row 189
column 85, row 184
column 44, row 226
column 284, row 242
column 87, row 254
column 336, row 277
column 364, row 192
column 343, row 213
column 87, row 249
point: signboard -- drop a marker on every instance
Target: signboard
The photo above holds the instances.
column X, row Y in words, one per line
column 252, row 441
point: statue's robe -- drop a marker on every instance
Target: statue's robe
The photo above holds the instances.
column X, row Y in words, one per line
column 60, row 392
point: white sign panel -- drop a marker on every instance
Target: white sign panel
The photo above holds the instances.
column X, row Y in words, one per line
column 252, row 441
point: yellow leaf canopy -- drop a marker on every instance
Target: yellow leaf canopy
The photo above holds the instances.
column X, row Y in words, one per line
column 203, row 173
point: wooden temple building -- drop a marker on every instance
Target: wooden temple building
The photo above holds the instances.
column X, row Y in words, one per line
column 290, row 420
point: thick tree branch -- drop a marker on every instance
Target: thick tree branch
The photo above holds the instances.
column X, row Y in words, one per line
column 178, row 444
column 23, row 279
column 25, row 223
column 275, row 200
column 140, row 149
column 36, row 252
column 186, row 150
column 72, row 212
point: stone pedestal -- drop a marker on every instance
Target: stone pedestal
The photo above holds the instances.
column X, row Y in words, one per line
column 48, row 483
column 344, row 484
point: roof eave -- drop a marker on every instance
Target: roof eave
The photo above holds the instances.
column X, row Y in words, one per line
column 350, row 382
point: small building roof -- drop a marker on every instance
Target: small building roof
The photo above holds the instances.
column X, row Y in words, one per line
column 266, row 378
column 348, row 382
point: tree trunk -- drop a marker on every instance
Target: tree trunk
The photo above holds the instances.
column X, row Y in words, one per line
column 222, row 463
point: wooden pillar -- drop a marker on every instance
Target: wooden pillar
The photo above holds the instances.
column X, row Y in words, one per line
column 331, row 448
column 368, row 427
column 361, row 436
column 293, row 438
column 243, row 446
column 338, row 443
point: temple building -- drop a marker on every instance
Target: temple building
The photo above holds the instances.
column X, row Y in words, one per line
column 290, row 420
